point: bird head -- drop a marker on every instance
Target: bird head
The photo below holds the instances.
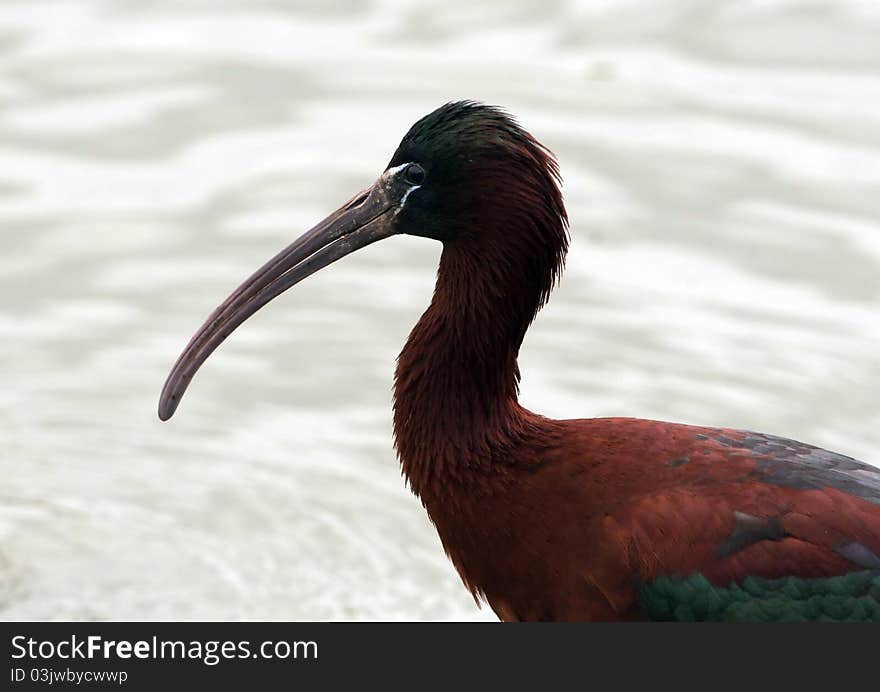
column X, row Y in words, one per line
column 466, row 174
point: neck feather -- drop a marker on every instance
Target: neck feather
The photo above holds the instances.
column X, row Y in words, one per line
column 457, row 379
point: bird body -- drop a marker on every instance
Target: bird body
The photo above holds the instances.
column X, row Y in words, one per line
column 584, row 519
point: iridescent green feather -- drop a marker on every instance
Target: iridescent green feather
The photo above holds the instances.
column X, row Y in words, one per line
column 852, row 597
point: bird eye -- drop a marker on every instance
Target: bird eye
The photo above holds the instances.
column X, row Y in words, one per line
column 414, row 174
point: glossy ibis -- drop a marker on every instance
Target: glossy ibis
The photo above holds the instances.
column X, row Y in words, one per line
column 587, row 519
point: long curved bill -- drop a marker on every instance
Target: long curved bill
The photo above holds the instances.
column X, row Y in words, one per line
column 363, row 220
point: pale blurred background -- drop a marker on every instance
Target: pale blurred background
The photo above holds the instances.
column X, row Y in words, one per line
column 722, row 173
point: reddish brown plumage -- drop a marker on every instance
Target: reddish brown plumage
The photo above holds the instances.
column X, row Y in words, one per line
column 574, row 516
column 567, row 519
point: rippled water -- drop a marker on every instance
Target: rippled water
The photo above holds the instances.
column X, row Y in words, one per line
column 722, row 168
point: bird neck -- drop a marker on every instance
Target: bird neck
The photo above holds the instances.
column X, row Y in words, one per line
column 457, row 378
